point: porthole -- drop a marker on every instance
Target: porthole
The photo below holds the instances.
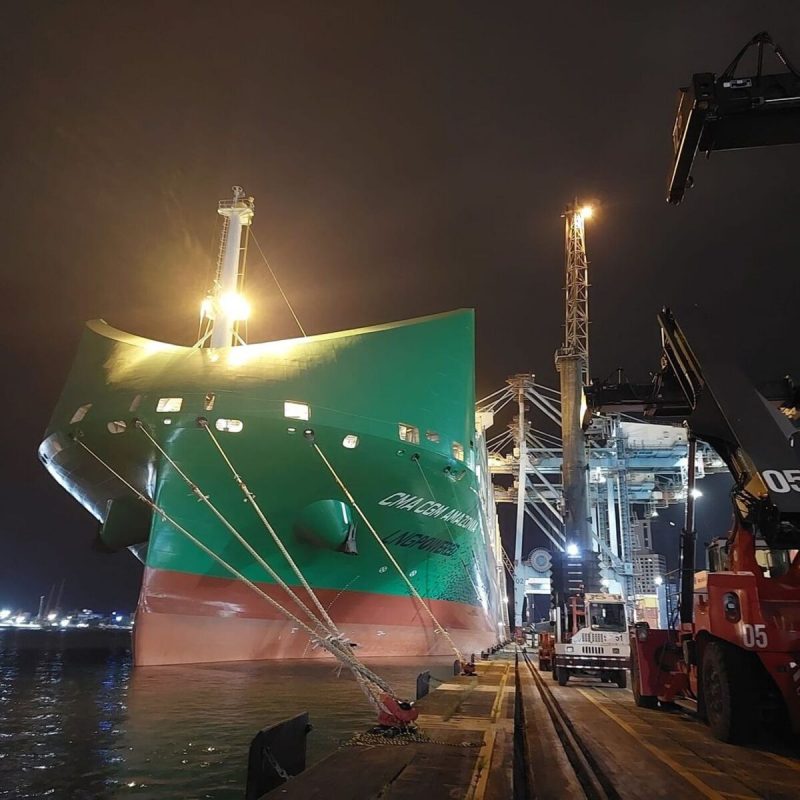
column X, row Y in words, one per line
column 350, row 441
column 135, row 403
column 408, row 433
column 432, row 436
column 292, row 410
column 458, row 451
column 208, row 402
column 229, row 425
column 117, row 426
column 80, row 413
column 169, row 404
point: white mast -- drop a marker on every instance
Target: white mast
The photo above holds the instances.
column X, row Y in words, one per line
column 226, row 306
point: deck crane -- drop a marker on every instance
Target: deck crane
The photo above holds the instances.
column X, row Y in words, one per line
column 735, row 656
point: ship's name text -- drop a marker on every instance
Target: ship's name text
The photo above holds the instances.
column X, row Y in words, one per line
column 430, row 508
column 422, row 542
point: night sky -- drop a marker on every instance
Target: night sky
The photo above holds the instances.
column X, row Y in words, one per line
column 405, row 159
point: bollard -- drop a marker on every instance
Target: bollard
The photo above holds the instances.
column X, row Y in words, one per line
column 423, row 684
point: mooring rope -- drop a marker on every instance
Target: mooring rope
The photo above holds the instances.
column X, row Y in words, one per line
column 252, row 500
column 438, row 627
column 204, row 498
column 371, row 684
column 333, row 633
column 399, row 738
column 280, row 289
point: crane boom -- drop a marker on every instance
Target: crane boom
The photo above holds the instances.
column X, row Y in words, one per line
column 752, row 430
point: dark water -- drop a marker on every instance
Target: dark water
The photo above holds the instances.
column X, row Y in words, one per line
column 77, row 721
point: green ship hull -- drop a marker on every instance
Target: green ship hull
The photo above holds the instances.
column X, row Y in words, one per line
column 392, row 410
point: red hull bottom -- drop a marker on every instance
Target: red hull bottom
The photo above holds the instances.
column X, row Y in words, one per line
column 190, row 619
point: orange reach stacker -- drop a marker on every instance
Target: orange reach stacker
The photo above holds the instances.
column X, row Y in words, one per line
column 735, row 655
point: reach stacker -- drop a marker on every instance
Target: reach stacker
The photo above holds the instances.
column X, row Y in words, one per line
column 735, row 655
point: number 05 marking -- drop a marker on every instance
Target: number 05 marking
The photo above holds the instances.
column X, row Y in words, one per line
column 782, row 481
column 755, row 636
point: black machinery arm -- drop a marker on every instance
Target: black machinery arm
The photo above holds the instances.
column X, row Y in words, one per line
column 751, row 430
column 730, row 113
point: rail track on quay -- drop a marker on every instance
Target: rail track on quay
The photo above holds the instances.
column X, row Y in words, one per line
column 589, row 741
column 511, row 731
column 557, row 763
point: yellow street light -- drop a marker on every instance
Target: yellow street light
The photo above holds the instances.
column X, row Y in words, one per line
column 586, row 212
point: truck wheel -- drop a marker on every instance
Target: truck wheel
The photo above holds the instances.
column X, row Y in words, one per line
column 726, row 679
column 621, row 678
column 554, row 672
column 562, row 675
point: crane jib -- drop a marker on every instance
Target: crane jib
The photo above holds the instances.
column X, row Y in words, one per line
column 699, row 386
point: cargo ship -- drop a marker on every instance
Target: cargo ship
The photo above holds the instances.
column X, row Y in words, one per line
column 310, row 450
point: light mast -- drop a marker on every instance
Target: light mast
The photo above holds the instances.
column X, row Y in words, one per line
column 520, row 384
column 225, row 307
column 572, row 363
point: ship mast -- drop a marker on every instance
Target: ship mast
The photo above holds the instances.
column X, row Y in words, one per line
column 225, row 308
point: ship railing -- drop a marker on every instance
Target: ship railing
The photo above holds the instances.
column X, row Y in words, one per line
column 241, row 202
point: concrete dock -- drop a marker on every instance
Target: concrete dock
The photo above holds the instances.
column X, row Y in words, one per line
column 470, row 722
column 512, row 732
